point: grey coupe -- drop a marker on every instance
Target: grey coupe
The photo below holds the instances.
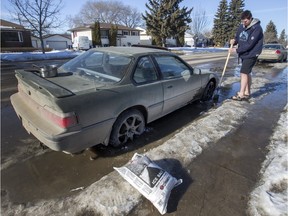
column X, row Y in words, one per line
column 106, row 96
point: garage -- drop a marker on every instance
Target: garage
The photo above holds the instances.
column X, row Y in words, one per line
column 57, row 41
column 57, row 45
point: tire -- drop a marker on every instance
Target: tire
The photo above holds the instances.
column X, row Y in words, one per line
column 209, row 91
column 129, row 124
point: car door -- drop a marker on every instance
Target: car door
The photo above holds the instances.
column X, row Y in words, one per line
column 148, row 87
column 180, row 84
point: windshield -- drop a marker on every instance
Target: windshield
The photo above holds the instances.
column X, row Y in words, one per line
column 98, row 66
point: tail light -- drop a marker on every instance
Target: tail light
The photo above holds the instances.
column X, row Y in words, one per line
column 278, row 52
column 64, row 120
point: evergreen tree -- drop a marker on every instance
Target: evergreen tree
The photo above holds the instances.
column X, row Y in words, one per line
column 165, row 19
column 179, row 21
column 270, row 34
column 113, row 35
column 221, row 24
column 96, row 36
column 236, row 8
column 283, row 38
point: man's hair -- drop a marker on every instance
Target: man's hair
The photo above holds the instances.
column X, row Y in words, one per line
column 246, row 15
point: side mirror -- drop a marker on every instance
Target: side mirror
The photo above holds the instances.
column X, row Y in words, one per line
column 197, row 71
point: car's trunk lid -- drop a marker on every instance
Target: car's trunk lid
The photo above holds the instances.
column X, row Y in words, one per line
column 63, row 85
column 28, row 79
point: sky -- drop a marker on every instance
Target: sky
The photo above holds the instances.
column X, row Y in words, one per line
column 275, row 10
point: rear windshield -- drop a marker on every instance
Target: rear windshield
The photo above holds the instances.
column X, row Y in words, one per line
column 98, row 66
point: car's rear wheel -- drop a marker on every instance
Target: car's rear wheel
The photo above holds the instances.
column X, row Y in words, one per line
column 209, row 91
column 129, row 124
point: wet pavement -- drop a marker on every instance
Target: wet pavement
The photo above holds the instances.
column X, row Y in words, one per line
column 219, row 181
column 231, row 165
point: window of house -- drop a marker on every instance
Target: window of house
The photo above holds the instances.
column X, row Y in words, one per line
column 134, row 33
column 103, row 33
column 20, row 36
column 13, row 36
column 125, row 33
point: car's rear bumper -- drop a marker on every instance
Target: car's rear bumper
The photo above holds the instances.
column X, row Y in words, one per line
column 269, row 58
column 72, row 141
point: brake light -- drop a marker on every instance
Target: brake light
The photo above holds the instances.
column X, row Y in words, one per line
column 278, row 52
column 64, row 120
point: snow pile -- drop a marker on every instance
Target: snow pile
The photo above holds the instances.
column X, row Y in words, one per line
column 271, row 196
column 56, row 54
column 191, row 50
column 26, row 56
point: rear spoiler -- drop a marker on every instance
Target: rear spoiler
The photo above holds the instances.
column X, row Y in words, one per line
column 150, row 46
column 34, row 80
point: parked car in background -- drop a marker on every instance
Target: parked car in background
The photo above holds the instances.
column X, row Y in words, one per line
column 106, row 95
column 81, row 43
column 273, row 52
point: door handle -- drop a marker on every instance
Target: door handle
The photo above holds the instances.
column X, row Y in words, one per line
column 170, row 86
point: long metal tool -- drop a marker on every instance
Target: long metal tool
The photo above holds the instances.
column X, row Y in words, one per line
column 216, row 95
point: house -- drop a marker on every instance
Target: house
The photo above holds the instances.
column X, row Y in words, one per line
column 14, row 35
column 125, row 36
column 53, row 41
column 146, row 39
column 189, row 40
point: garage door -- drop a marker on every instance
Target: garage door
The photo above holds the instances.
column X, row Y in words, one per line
column 57, row 45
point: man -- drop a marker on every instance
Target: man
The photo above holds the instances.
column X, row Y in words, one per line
column 249, row 38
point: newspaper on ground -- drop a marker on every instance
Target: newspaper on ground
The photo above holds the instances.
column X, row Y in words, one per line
column 150, row 180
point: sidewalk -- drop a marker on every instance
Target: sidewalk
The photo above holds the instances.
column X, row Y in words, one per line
column 221, row 179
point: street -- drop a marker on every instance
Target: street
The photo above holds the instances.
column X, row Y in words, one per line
column 32, row 175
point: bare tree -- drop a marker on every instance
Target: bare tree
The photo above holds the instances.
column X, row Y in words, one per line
column 38, row 15
column 130, row 17
column 199, row 24
column 106, row 12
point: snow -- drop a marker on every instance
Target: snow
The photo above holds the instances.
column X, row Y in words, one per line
column 27, row 56
column 268, row 198
column 58, row 54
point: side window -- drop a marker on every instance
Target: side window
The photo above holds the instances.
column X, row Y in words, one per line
column 172, row 67
column 145, row 71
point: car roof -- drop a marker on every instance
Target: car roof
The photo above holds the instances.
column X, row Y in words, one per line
column 130, row 50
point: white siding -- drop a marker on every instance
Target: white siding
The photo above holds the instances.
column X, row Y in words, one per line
column 122, row 40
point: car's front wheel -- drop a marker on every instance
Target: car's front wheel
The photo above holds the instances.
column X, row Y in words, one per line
column 129, row 124
column 209, row 91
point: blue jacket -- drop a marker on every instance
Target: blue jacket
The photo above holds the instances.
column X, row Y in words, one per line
column 249, row 40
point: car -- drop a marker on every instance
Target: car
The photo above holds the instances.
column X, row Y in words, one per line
column 106, row 96
column 273, row 52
